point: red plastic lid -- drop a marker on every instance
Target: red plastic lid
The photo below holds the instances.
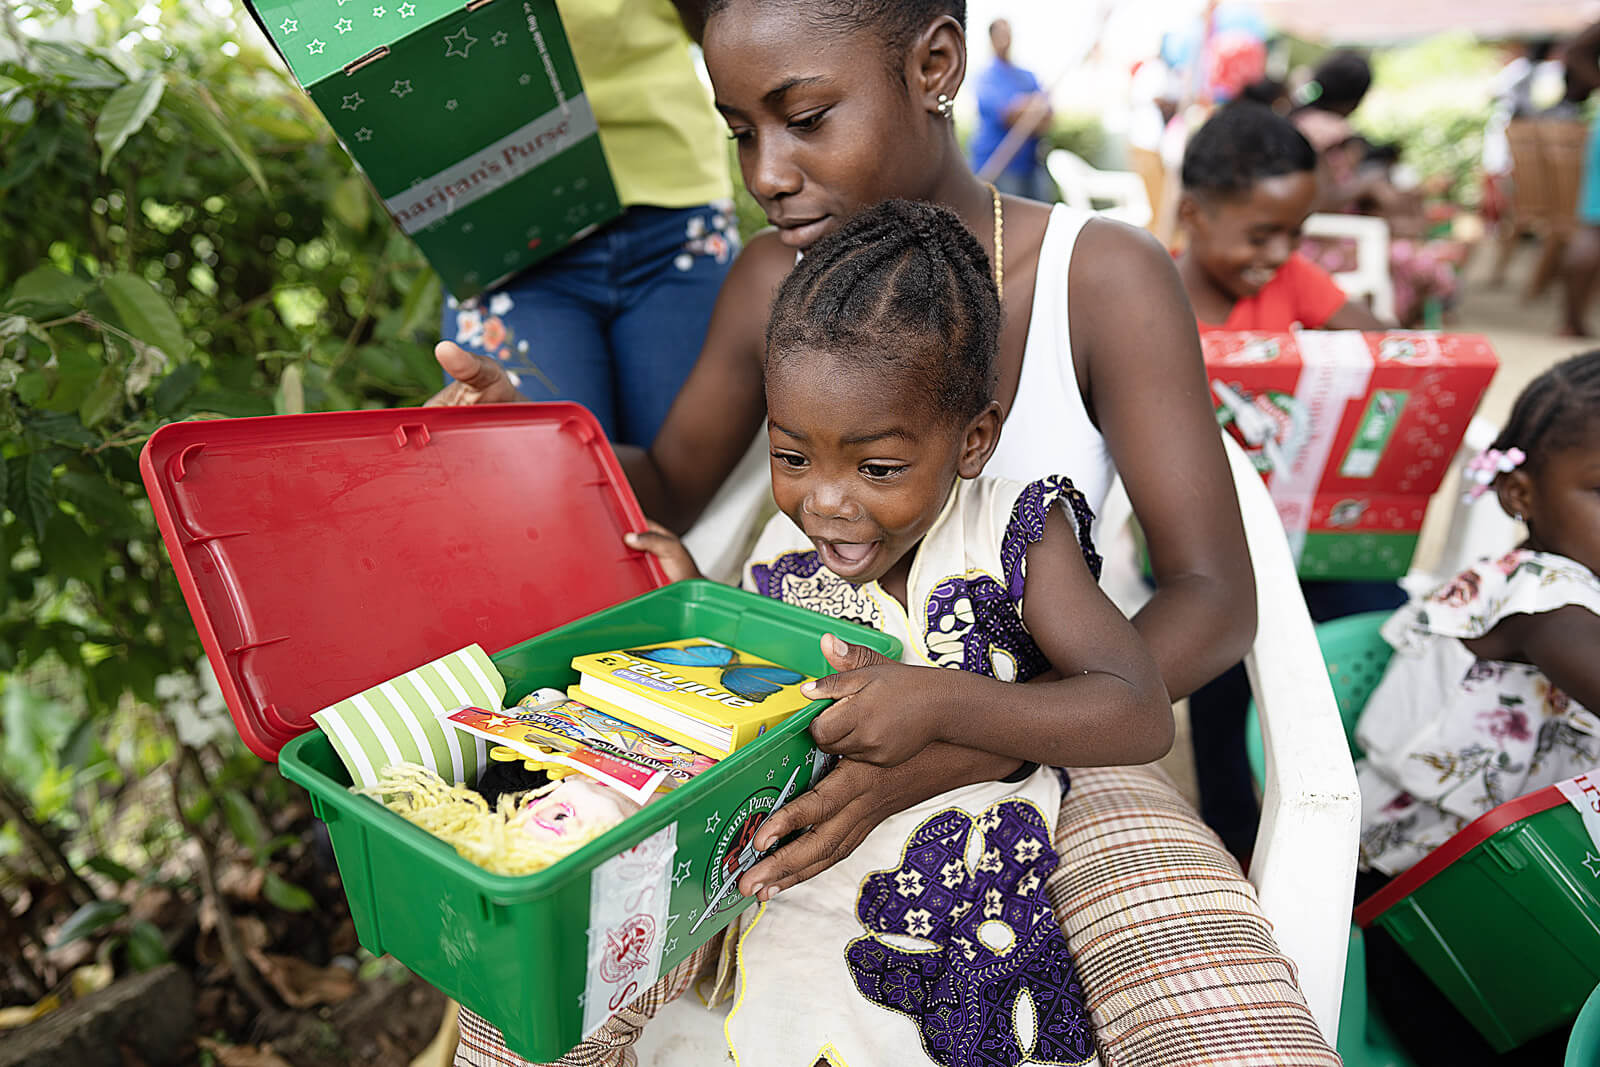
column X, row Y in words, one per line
column 1465, row 840
column 323, row 554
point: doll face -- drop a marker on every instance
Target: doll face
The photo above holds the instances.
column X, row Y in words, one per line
column 576, row 806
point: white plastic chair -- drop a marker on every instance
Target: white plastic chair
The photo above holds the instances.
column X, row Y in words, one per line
column 1121, row 193
column 1371, row 276
column 1304, row 864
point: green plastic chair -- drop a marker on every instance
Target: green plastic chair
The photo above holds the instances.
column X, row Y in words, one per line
column 1356, row 656
column 1583, row 1047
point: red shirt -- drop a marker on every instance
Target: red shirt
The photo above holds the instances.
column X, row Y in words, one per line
column 1300, row 293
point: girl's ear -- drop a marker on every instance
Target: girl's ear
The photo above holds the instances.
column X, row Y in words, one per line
column 937, row 63
column 1189, row 211
column 1516, row 491
column 983, row 434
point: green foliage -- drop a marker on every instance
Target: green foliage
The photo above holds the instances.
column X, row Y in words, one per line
column 183, row 238
column 1082, row 135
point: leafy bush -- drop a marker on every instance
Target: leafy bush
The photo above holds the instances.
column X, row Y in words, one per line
column 183, row 238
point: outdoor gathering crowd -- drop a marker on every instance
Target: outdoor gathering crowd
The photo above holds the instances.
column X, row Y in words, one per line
column 944, row 377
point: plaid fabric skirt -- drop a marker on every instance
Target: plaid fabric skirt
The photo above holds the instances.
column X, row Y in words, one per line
column 1168, row 938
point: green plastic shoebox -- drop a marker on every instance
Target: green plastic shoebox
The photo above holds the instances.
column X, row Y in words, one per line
column 323, row 554
column 1504, row 917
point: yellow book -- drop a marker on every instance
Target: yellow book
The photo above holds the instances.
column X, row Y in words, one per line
column 701, row 694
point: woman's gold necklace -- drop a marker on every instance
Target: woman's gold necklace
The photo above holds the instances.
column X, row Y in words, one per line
column 999, row 245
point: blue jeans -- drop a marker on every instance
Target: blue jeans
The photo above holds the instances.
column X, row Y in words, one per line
column 615, row 322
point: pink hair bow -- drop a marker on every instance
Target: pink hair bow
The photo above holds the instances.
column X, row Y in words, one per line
column 1481, row 470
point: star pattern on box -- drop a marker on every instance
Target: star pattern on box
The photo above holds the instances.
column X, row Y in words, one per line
column 407, row 10
column 289, row 26
column 450, row 105
column 352, row 102
column 670, row 947
column 379, row 12
column 401, row 87
column 500, row 37
column 344, row 25
column 315, row 47
column 713, row 822
column 363, row 134
column 786, row 761
column 681, row 875
column 509, row 258
column 769, row 776
column 525, row 79
column 459, row 44
column 466, row 227
column 1591, row 861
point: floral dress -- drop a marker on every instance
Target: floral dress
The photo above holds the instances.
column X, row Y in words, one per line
column 1448, row 736
column 933, row 942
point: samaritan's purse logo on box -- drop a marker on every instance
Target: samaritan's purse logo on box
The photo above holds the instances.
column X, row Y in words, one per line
column 469, row 120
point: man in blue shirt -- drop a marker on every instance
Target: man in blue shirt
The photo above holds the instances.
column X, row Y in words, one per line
column 1007, row 96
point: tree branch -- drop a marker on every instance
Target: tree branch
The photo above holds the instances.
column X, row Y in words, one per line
column 244, row 973
column 14, row 808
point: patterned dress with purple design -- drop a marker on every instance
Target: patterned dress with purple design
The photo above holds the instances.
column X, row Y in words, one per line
column 935, row 933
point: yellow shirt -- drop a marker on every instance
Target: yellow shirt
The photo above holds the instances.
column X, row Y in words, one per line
column 662, row 137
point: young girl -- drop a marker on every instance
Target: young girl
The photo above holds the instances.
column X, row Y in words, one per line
column 1488, row 695
column 935, row 931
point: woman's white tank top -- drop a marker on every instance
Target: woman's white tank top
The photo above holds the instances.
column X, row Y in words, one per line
column 1048, row 430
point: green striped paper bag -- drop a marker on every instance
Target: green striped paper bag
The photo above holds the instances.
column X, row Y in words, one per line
column 398, row 721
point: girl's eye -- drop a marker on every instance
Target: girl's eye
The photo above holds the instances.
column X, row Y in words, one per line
column 809, row 122
column 880, row 470
column 741, row 135
column 789, row 459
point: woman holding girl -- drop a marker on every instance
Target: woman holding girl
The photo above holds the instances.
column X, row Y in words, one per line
column 837, row 105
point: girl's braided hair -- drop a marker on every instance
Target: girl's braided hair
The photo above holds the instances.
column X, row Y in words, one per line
column 903, row 288
column 896, row 22
column 1555, row 409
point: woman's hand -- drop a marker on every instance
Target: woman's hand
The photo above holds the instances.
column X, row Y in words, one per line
column 883, row 712
column 478, row 379
column 665, row 546
column 850, row 802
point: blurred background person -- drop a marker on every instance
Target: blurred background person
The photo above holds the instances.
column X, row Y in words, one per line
column 1009, row 97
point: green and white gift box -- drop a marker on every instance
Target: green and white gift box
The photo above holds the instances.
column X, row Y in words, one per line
column 469, row 120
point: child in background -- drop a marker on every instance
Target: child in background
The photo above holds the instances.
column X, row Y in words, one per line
column 880, row 376
column 1249, row 178
column 1249, row 182
column 1486, row 697
column 1491, row 691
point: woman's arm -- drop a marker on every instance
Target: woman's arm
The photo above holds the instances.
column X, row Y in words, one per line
column 1107, row 707
column 722, row 403
column 1148, row 395
column 716, row 413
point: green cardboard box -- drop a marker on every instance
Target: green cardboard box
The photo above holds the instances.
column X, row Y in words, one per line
column 469, row 120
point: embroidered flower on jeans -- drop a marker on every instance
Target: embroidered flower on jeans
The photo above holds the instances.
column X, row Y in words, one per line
column 991, row 944
column 469, row 326
column 500, row 304
column 494, row 333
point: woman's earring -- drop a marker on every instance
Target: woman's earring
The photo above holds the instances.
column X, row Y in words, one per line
column 946, row 105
